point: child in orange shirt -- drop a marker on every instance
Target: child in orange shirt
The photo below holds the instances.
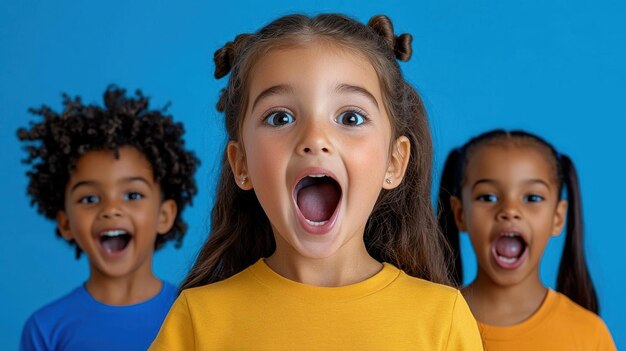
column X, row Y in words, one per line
column 504, row 189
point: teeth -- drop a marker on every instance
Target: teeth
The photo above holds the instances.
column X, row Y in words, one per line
column 316, row 175
column 113, row 233
column 316, row 224
column 511, row 234
column 506, row 259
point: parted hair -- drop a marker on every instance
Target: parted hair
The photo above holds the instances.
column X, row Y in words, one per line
column 402, row 229
column 573, row 278
column 55, row 144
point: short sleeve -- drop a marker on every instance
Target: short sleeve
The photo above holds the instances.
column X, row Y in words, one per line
column 177, row 330
column 32, row 337
column 605, row 341
column 464, row 333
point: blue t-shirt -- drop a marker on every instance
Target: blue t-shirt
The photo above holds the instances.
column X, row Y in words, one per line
column 78, row 322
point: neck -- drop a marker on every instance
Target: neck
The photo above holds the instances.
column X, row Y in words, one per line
column 345, row 267
column 504, row 304
column 126, row 290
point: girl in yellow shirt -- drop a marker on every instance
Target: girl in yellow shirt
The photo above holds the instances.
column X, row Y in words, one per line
column 505, row 190
column 322, row 232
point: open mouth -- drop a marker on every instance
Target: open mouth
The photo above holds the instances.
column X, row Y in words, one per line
column 509, row 249
column 114, row 241
column 317, row 197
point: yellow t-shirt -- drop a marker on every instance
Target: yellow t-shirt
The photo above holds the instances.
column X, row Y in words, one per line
column 258, row 309
column 559, row 324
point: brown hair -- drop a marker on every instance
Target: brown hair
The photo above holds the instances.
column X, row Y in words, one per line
column 402, row 229
column 573, row 279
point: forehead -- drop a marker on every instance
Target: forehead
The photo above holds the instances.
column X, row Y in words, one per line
column 313, row 65
column 508, row 163
column 102, row 164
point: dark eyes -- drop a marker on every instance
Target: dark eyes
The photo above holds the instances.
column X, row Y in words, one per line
column 533, row 198
column 487, row 198
column 348, row 118
column 89, row 199
column 279, row 118
column 133, row 196
column 94, row 199
column 494, row 198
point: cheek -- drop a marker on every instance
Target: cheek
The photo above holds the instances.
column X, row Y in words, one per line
column 367, row 151
column 473, row 215
column 80, row 219
column 263, row 165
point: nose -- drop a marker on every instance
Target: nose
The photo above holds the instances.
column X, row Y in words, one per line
column 509, row 211
column 315, row 139
column 110, row 210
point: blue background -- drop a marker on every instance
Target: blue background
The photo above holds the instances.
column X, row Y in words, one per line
column 555, row 68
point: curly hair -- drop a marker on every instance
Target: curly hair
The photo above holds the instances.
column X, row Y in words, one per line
column 55, row 144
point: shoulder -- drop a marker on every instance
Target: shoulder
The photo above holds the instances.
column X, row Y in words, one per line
column 58, row 308
column 426, row 290
column 445, row 309
column 581, row 323
column 39, row 326
column 569, row 312
column 168, row 292
column 441, row 302
column 231, row 288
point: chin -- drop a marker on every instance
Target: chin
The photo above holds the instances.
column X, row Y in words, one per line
column 317, row 250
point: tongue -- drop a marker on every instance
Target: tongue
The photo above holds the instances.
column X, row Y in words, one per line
column 317, row 202
column 509, row 247
column 114, row 244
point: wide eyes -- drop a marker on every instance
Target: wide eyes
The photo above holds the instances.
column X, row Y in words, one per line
column 350, row 118
column 282, row 118
column 279, row 118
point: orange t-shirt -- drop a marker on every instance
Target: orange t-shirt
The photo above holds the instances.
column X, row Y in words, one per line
column 559, row 324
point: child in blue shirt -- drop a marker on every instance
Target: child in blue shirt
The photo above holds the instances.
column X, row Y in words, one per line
column 116, row 179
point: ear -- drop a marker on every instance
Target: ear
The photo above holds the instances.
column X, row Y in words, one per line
column 63, row 223
column 459, row 216
column 237, row 161
column 559, row 217
column 397, row 163
column 167, row 214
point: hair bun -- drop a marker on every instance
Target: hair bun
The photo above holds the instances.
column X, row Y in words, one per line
column 224, row 58
column 400, row 45
column 402, row 48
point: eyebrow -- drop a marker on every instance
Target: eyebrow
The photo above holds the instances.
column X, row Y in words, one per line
column 348, row 88
column 493, row 181
column 274, row 90
column 123, row 180
column 341, row 88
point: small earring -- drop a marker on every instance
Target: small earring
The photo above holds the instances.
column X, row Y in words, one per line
column 244, row 179
column 388, row 181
